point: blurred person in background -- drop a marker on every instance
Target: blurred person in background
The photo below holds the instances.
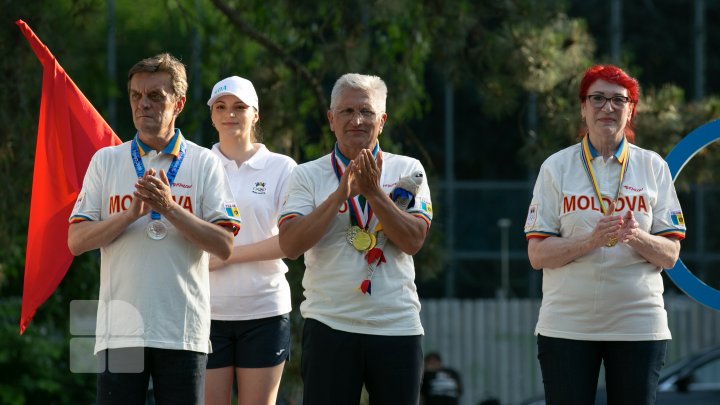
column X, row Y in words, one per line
column 603, row 223
column 250, row 297
column 440, row 385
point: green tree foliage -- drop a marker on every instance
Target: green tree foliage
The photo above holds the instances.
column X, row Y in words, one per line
column 510, row 55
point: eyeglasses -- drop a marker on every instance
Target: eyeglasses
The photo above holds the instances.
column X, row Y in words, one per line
column 349, row 113
column 599, row 101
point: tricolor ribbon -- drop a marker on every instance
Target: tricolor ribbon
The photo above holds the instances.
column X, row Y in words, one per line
column 360, row 215
column 586, row 155
column 360, row 210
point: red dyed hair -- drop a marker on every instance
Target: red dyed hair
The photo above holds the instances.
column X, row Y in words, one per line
column 613, row 74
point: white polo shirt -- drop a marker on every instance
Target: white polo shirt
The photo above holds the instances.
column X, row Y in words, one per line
column 334, row 269
column 611, row 293
column 241, row 291
column 154, row 293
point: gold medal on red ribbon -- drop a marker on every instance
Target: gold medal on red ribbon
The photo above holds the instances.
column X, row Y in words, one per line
column 373, row 241
column 362, row 240
column 359, row 238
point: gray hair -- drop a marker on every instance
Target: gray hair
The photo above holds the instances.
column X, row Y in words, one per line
column 373, row 85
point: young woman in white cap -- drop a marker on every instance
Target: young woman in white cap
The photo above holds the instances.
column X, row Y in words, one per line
column 250, row 297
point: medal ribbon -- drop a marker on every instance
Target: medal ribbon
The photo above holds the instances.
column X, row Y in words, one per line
column 586, row 156
column 172, row 170
column 360, row 215
column 360, row 210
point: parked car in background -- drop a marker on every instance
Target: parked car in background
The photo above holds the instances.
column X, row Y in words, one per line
column 694, row 380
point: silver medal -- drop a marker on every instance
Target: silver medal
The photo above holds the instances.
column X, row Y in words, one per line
column 156, row 230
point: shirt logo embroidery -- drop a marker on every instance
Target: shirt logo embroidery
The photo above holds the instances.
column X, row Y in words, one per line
column 259, row 188
column 531, row 216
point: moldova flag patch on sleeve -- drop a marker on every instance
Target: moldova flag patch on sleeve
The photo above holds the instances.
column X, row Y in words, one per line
column 231, row 210
column 677, row 218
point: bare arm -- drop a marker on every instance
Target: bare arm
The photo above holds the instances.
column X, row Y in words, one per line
column 556, row 251
column 406, row 231
column 155, row 192
column 89, row 235
column 299, row 234
column 658, row 250
column 268, row 249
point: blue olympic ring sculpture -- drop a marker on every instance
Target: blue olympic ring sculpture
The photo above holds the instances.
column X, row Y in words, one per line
column 693, row 143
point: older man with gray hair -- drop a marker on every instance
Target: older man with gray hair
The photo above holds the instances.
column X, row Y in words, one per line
column 358, row 214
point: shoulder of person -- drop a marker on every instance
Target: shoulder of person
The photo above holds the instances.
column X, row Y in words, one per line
column 389, row 157
column 110, row 151
column 197, row 151
column 562, row 158
column 314, row 171
column 279, row 158
column 645, row 153
column 322, row 161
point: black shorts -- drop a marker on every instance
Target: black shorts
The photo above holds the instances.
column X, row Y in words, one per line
column 254, row 343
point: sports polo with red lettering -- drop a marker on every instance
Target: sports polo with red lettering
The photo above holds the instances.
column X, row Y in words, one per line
column 155, row 293
column 597, row 296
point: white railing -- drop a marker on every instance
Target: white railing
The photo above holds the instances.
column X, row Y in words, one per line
column 491, row 343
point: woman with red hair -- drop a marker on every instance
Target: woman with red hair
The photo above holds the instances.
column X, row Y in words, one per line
column 603, row 222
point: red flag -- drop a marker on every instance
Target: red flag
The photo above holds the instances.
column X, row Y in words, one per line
column 70, row 131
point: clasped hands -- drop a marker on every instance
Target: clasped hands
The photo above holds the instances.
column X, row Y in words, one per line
column 152, row 191
column 616, row 228
column 362, row 175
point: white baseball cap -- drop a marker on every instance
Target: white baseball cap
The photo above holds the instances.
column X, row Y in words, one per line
column 238, row 87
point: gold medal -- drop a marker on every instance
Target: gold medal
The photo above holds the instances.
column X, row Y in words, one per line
column 612, row 242
column 351, row 234
column 362, row 241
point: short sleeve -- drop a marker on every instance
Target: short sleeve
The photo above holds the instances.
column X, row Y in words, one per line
column 283, row 183
column 88, row 204
column 422, row 206
column 543, row 219
column 300, row 200
column 218, row 205
column 668, row 218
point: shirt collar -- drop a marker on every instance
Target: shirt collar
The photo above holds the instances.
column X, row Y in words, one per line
column 620, row 154
column 257, row 161
column 172, row 148
column 345, row 161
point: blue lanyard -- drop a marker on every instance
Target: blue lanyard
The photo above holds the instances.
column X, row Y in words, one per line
column 172, row 170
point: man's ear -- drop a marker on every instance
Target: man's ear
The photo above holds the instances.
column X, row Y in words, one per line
column 179, row 105
column 331, row 120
